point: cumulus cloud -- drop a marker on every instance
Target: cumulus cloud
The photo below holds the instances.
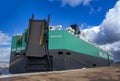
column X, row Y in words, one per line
column 4, row 38
column 74, row 3
column 107, row 34
column 4, row 54
column 92, row 32
column 110, row 27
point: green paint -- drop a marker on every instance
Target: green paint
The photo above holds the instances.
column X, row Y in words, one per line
column 24, row 40
column 16, row 45
column 60, row 39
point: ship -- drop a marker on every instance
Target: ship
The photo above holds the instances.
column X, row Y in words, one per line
column 42, row 48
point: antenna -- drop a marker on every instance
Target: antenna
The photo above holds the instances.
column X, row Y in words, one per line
column 32, row 16
column 48, row 21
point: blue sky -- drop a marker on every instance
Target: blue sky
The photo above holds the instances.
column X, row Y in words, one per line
column 14, row 14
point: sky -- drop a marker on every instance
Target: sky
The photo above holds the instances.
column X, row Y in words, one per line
column 99, row 19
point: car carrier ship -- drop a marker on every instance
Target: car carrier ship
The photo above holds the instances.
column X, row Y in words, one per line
column 44, row 48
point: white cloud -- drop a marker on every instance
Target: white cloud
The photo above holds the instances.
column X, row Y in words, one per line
column 74, row 3
column 93, row 10
column 5, row 41
column 4, row 38
column 4, row 54
column 107, row 34
column 86, row 2
column 114, row 48
column 110, row 27
column 92, row 32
